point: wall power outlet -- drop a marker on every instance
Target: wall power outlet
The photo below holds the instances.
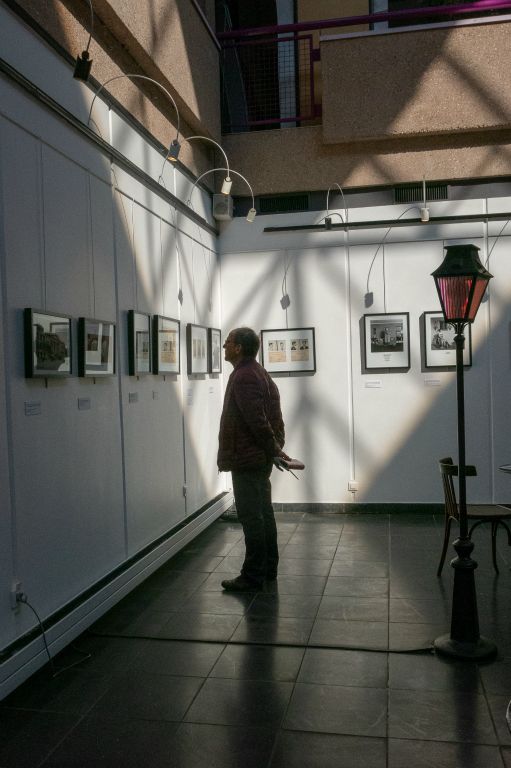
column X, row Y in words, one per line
column 16, row 593
column 352, row 485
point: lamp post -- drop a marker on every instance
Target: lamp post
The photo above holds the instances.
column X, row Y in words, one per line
column 461, row 281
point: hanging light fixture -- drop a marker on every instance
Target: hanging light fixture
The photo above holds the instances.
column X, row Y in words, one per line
column 251, row 213
column 83, row 62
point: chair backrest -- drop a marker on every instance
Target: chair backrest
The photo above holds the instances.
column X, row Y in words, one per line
column 448, row 470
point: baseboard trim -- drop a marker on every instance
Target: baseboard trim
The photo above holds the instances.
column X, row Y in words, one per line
column 359, row 508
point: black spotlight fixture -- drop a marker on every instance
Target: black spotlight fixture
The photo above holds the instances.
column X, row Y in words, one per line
column 83, row 63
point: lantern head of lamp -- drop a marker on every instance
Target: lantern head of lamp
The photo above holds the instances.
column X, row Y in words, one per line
column 461, row 281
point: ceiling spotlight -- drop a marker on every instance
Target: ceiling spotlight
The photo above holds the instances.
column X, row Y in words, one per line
column 328, row 222
column 251, row 214
column 173, row 152
column 226, row 185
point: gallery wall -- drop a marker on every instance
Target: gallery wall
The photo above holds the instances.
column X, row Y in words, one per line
column 378, row 431
column 95, row 470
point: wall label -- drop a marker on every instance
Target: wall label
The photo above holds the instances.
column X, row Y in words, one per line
column 33, row 409
column 373, row 384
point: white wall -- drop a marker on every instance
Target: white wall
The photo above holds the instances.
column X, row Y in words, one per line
column 387, row 438
column 82, row 491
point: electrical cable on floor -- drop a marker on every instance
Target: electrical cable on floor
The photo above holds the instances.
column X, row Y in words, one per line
column 54, row 671
column 266, row 644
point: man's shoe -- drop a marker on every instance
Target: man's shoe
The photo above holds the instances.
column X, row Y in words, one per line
column 240, row 584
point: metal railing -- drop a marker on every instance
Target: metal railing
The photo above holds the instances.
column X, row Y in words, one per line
column 268, row 73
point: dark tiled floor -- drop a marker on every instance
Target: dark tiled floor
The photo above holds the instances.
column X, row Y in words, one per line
column 331, row 666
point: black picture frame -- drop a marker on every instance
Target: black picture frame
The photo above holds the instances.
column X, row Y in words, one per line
column 439, row 346
column 139, row 343
column 288, row 350
column 196, row 348
column 48, row 344
column 214, row 350
column 387, row 340
column 166, row 345
column 96, row 347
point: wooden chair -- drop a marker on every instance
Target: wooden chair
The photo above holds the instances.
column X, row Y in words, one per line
column 480, row 513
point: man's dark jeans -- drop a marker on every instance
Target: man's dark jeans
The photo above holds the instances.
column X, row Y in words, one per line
column 252, row 496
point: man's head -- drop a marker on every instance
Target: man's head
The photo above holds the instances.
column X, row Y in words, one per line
column 241, row 343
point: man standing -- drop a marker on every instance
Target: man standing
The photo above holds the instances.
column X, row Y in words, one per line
column 251, row 436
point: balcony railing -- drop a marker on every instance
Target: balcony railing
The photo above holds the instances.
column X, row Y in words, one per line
column 270, row 75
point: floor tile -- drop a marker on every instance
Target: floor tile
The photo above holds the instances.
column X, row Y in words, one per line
column 173, row 657
column 225, row 603
column 298, row 585
column 425, row 754
column 356, row 587
column 109, row 744
column 72, row 692
column 414, row 637
column 506, row 754
column 303, row 567
column 143, row 696
column 354, row 608
column 28, row 737
column 199, row 745
column 314, row 551
column 498, row 707
column 440, row 716
column 496, row 676
column 199, row 626
column 256, row 662
column 419, row 610
column 340, row 667
column 325, row 750
column 337, row 709
column 240, row 702
column 430, row 672
column 276, row 605
column 344, row 566
column 100, row 655
column 286, row 629
column 350, row 634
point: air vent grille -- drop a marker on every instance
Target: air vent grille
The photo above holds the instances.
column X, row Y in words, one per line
column 413, row 193
column 283, row 203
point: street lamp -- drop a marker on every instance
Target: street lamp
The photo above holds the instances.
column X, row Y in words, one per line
column 461, row 281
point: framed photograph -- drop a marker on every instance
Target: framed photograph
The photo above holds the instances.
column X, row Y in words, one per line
column 96, row 347
column 47, row 344
column 288, row 350
column 197, row 348
column 139, row 343
column 214, row 350
column 166, row 345
column 439, row 346
column 387, row 340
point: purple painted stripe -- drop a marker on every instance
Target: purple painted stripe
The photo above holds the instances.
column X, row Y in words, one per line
column 349, row 21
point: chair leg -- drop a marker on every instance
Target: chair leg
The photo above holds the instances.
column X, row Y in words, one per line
column 494, row 529
column 447, row 531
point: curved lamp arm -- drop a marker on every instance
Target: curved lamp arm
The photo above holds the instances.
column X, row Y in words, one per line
column 252, row 212
column 335, row 184
column 140, row 77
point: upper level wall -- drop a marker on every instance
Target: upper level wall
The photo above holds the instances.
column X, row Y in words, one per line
column 416, row 83
column 397, row 106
